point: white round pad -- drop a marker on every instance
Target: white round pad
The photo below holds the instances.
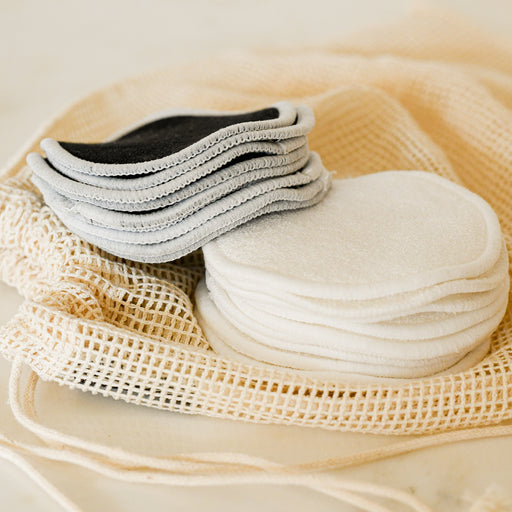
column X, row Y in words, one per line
column 230, row 342
column 372, row 236
column 452, row 296
column 342, row 344
column 416, row 326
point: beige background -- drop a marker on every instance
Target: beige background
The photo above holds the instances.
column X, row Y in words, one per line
column 53, row 52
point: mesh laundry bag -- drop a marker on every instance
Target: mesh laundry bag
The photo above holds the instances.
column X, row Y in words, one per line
column 427, row 93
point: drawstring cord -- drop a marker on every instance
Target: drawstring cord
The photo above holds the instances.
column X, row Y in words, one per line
column 184, row 470
column 208, row 469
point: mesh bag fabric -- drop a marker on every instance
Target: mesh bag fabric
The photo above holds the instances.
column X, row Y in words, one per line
column 427, row 93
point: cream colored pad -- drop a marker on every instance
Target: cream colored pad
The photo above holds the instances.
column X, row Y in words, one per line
column 230, row 339
column 393, row 227
column 450, row 296
column 411, row 325
column 373, row 236
column 340, row 344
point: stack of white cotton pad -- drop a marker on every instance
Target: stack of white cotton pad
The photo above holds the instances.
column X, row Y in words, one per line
column 399, row 274
column 165, row 186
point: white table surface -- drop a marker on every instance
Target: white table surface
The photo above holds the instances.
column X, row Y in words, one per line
column 53, row 52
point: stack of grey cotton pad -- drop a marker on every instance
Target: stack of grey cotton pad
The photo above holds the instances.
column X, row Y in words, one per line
column 164, row 187
column 399, row 274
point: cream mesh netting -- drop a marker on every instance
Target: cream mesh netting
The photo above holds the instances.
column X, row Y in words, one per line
column 426, row 93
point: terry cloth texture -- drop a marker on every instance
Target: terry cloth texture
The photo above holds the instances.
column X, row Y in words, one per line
column 330, row 343
column 388, row 232
column 391, row 236
column 163, row 188
column 451, row 296
column 233, row 343
column 428, row 93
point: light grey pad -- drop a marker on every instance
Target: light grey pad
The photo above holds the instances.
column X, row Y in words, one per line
column 170, row 192
column 188, row 215
column 161, row 216
column 292, row 122
column 230, row 342
column 253, row 155
column 324, row 341
column 275, row 201
column 142, row 215
column 472, row 293
column 373, row 236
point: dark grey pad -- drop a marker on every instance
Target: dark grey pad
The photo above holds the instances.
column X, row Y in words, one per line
column 161, row 137
column 291, row 122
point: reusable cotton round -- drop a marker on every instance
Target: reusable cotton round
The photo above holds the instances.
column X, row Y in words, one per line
column 324, row 340
column 397, row 274
column 371, row 237
column 228, row 340
column 450, row 296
